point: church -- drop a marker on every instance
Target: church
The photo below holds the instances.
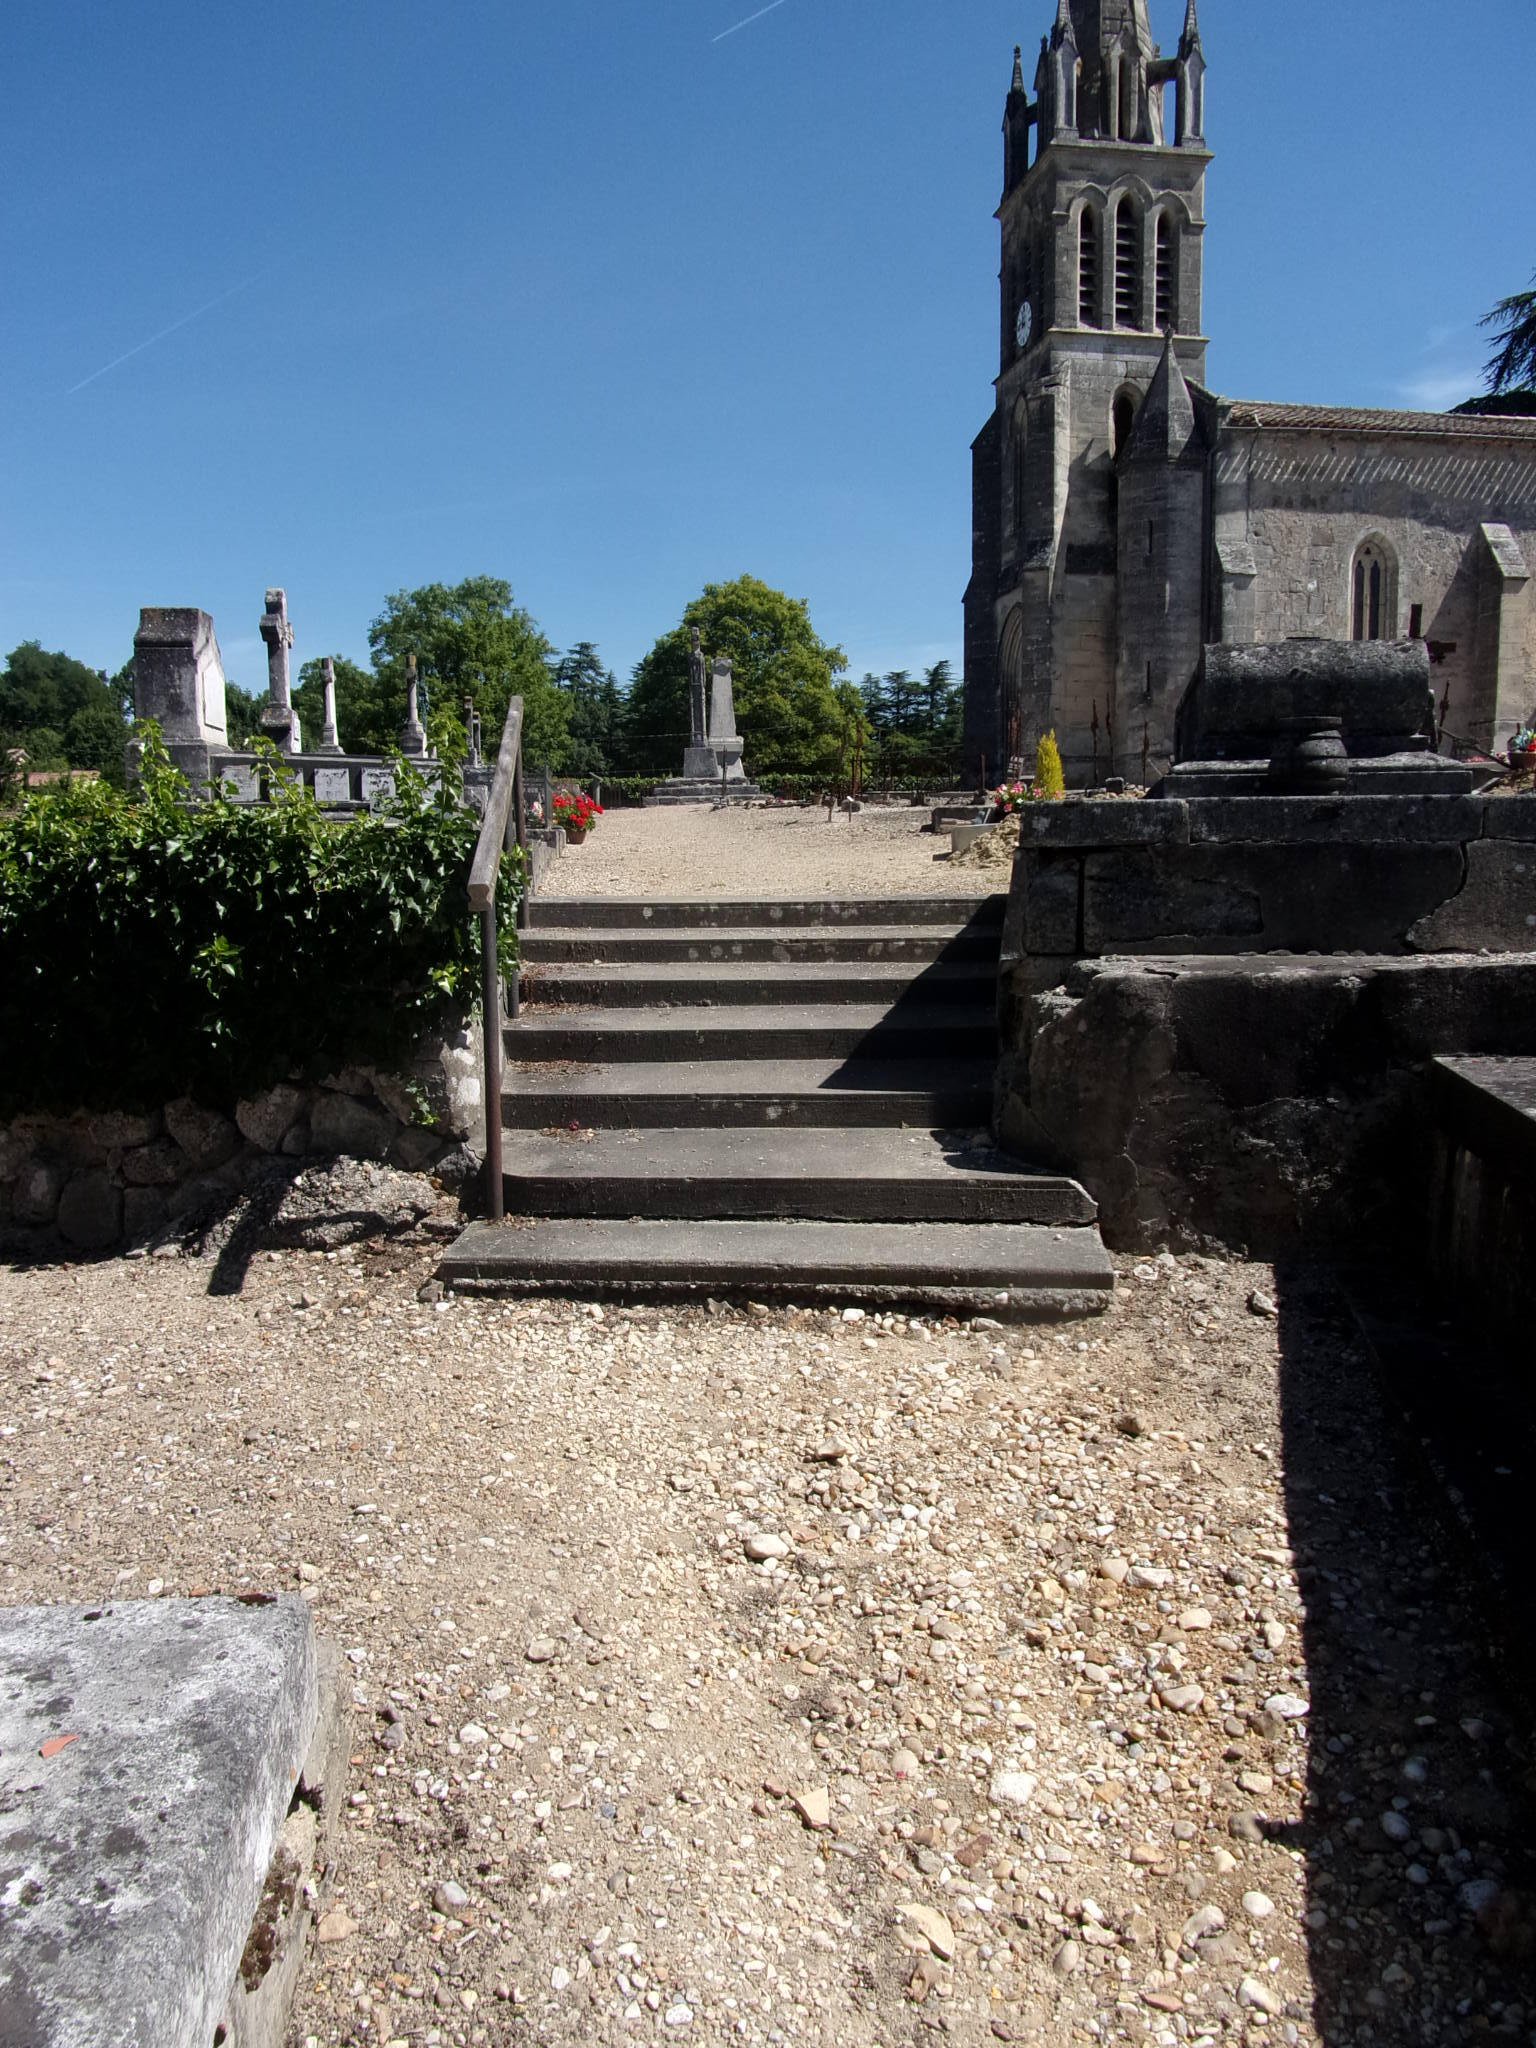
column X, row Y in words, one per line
column 1124, row 515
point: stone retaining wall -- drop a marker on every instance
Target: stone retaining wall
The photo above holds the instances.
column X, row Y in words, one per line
column 1263, row 1103
column 107, row 1178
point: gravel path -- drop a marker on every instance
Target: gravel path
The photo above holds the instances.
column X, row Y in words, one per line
column 711, row 855
column 770, row 1677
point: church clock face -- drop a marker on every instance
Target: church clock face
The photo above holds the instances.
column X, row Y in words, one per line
column 1024, row 326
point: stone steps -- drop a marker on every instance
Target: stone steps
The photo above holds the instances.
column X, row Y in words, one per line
column 721, row 1094
column 714, row 984
column 778, row 1099
column 916, row 946
column 643, row 914
column 830, row 1176
column 1021, row 1271
column 778, row 1031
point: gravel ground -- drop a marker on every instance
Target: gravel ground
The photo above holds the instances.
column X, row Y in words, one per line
column 715, row 856
column 748, row 1676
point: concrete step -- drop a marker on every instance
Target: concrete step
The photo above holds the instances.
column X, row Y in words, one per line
column 614, row 913
column 719, row 984
column 831, row 1176
column 1018, row 1271
column 779, row 1094
column 912, row 945
column 685, row 792
column 780, row 1031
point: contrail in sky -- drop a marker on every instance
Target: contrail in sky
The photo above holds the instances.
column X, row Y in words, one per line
column 185, row 321
column 748, row 22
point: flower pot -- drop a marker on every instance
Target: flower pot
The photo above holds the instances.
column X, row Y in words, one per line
column 575, row 834
column 1522, row 761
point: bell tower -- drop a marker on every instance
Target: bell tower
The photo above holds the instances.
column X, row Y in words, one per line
column 1102, row 219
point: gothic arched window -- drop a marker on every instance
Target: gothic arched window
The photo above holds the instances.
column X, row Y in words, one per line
column 1167, row 282
column 1373, row 592
column 1088, row 269
column 1127, row 266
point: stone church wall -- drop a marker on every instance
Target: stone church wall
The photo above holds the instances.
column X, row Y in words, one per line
column 1304, row 503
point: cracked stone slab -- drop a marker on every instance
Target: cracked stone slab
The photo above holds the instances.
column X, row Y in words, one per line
column 149, row 1752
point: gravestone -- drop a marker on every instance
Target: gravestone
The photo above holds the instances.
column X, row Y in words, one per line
column 333, row 785
column 179, row 683
column 279, row 720
column 413, row 734
column 329, row 743
column 241, row 784
column 378, row 784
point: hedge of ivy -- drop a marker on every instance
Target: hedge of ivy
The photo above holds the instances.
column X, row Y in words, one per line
column 151, row 946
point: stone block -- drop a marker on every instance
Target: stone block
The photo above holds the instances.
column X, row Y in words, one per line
column 343, row 1125
column 90, row 1213
column 1335, row 820
column 1509, row 817
column 1082, row 825
column 1275, row 898
column 296, row 1143
column 264, row 1120
column 137, row 1853
column 36, row 1190
column 158, row 1165
column 206, row 1136
column 1494, row 912
column 1051, row 888
column 1139, row 900
column 116, row 1130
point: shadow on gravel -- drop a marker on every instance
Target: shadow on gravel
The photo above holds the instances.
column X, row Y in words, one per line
column 1418, row 1822
column 294, row 1205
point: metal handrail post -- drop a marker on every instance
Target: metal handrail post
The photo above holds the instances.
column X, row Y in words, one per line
column 503, row 817
column 490, row 997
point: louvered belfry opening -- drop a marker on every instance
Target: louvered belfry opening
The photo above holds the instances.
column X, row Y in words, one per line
column 1088, row 270
column 1166, row 302
column 1127, row 267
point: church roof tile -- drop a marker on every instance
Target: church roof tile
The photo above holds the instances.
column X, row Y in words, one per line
column 1357, row 419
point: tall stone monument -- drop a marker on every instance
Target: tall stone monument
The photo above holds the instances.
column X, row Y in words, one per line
column 179, row 683
column 279, row 720
column 712, row 761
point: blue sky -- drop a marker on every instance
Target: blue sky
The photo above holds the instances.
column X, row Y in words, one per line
column 604, row 298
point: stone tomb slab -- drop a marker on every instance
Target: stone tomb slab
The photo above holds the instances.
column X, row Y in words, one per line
column 333, row 785
column 149, row 1751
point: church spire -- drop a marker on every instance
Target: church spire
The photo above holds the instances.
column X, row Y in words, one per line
column 1018, row 70
column 1189, row 73
column 1165, row 429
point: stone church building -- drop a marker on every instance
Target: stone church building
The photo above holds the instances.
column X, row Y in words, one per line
column 1124, row 515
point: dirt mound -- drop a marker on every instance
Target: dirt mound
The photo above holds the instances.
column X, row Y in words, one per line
column 995, row 849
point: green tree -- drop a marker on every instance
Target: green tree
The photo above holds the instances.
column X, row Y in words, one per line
column 1512, row 366
column 96, row 737
column 41, row 689
column 242, row 714
column 786, row 709
column 1511, row 369
column 470, row 640
column 594, row 709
